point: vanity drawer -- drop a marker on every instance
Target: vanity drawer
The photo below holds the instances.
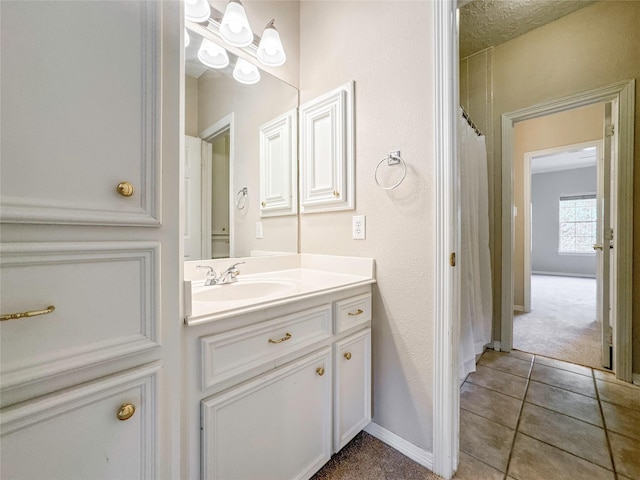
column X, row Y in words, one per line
column 229, row 354
column 352, row 312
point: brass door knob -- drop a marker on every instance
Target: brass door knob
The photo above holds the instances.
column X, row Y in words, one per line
column 125, row 189
column 126, row 411
column 320, row 371
column 347, row 355
column 597, row 246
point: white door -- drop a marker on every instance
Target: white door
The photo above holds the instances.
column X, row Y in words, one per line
column 193, row 198
column 604, row 236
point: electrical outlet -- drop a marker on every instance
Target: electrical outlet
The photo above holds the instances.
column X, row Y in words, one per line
column 359, row 227
column 258, row 229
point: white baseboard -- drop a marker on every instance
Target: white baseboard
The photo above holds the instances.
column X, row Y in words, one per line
column 408, row 449
column 497, row 346
column 563, row 274
column 518, row 308
column 636, row 379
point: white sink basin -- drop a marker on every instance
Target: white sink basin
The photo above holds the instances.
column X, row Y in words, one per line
column 240, row 290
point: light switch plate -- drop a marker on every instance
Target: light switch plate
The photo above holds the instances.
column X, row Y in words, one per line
column 258, row 229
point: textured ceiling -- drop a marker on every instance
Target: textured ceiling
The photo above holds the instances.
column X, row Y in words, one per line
column 485, row 23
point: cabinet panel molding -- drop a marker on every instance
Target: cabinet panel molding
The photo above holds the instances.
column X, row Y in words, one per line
column 62, row 165
column 106, row 297
column 76, row 433
column 279, row 166
column 327, row 151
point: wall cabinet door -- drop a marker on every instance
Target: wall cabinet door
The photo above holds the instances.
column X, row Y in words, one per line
column 77, row 433
column 327, row 152
column 353, row 387
column 277, row 426
column 279, row 166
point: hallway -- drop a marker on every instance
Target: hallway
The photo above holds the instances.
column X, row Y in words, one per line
column 527, row 418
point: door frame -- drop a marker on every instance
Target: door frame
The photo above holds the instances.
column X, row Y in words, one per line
column 225, row 124
column 528, row 156
column 623, row 94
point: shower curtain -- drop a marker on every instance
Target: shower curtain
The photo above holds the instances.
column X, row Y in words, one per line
column 475, row 268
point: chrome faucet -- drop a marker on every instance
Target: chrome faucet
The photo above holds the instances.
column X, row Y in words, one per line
column 228, row 276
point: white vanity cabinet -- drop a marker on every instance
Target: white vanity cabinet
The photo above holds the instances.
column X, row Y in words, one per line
column 279, row 395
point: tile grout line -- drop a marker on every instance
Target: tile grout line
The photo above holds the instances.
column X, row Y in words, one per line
column 604, row 424
column 515, row 433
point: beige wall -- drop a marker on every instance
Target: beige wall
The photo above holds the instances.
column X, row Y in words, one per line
column 386, row 47
column 191, row 106
column 566, row 128
column 592, row 47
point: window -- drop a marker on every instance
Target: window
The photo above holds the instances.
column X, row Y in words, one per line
column 578, row 215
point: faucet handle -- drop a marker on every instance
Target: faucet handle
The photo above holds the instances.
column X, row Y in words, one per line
column 210, row 271
column 233, row 267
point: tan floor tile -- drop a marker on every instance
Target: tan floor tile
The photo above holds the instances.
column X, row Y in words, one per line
column 563, row 379
column 622, row 420
column 521, row 355
column 619, row 394
column 534, row 460
column 626, row 455
column 571, row 367
column 470, row 468
column 573, row 404
column 575, row 436
column 505, row 363
column 503, row 382
column 490, row 404
column 485, row 440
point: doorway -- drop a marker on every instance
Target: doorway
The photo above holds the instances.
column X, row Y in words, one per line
column 555, row 275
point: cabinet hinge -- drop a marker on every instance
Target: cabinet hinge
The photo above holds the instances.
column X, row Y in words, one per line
column 609, row 130
column 452, row 259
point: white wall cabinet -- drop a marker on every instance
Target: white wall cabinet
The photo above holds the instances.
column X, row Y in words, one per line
column 279, row 388
column 279, row 166
column 327, row 176
column 84, row 110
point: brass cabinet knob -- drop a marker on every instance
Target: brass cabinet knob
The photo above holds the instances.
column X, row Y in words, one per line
column 597, row 246
column 336, row 194
column 126, row 411
column 125, row 189
column 263, row 203
column 347, row 355
column 320, row 371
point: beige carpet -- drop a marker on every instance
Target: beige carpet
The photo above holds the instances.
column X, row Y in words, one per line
column 367, row 458
column 562, row 322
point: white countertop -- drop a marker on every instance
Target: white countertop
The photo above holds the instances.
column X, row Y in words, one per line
column 303, row 276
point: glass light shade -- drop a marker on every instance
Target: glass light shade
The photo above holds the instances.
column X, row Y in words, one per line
column 245, row 72
column 197, row 10
column 270, row 51
column 187, row 38
column 235, row 28
column 212, row 55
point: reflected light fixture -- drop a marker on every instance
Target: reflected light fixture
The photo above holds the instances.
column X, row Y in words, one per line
column 245, row 72
column 212, row 55
column 234, row 27
column 197, row 10
column 270, row 51
column 187, row 38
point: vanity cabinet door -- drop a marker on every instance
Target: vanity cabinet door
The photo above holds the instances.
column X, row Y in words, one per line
column 87, row 432
column 275, row 427
column 353, row 387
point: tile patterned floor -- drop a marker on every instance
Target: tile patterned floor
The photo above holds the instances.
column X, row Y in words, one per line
column 528, row 418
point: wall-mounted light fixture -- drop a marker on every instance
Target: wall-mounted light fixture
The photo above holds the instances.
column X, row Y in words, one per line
column 270, row 50
column 234, row 27
column 187, row 38
column 212, row 55
column 245, row 72
column 197, row 10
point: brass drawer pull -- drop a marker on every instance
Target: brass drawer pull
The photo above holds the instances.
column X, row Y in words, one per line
column 125, row 189
column 347, row 355
column 286, row 337
column 320, row 371
column 126, row 411
column 357, row 312
column 32, row 313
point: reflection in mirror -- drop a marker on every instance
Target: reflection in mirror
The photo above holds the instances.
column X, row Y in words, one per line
column 222, row 158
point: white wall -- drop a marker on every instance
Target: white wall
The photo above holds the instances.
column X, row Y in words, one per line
column 546, row 190
column 386, row 47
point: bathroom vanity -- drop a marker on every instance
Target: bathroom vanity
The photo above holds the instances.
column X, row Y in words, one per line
column 279, row 365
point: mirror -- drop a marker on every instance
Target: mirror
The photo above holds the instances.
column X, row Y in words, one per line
column 223, row 118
